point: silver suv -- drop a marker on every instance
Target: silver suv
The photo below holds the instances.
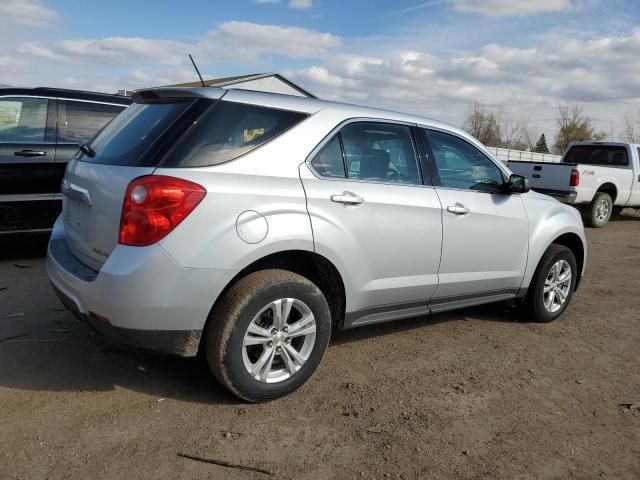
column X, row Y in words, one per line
column 246, row 226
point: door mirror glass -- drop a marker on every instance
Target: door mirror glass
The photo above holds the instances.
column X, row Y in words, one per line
column 518, row 184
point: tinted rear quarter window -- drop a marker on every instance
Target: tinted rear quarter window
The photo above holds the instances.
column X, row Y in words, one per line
column 329, row 162
column 227, row 131
column 78, row 122
column 606, row 155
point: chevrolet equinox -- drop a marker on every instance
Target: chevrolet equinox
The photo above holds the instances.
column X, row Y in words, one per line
column 246, row 226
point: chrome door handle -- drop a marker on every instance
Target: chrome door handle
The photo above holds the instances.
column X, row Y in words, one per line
column 29, row 153
column 458, row 209
column 347, row 198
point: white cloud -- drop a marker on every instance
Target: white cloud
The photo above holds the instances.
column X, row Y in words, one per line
column 520, row 81
column 513, row 7
column 300, row 4
column 237, row 42
column 244, row 41
column 26, row 12
column 107, row 50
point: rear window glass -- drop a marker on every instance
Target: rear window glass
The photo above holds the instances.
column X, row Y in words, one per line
column 607, row 155
column 126, row 139
column 227, row 131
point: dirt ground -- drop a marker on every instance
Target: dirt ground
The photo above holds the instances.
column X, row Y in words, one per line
column 471, row 394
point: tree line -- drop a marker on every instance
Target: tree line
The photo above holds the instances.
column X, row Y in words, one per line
column 495, row 130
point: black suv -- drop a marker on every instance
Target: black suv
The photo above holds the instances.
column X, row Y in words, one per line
column 40, row 130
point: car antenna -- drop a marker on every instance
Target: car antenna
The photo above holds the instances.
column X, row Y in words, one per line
column 197, row 71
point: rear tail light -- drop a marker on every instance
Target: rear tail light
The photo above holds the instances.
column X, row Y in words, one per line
column 575, row 178
column 154, row 205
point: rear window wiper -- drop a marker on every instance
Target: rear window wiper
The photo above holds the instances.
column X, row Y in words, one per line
column 87, row 150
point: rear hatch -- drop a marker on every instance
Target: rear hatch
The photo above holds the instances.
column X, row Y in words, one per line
column 129, row 147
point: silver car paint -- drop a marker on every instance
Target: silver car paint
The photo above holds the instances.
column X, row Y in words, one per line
column 548, row 220
column 141, row 288
column 484, row 250
column 390, row 253
column 92, row 230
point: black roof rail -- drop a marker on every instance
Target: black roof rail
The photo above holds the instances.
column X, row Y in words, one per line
column 67, row 93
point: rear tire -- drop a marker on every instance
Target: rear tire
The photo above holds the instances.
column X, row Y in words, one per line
column 262, row 318
column 597, row 214
column 550, row 292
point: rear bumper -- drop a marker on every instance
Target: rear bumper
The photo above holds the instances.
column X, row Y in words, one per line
column 140, row 297
column 183, row 343
column 562, row 196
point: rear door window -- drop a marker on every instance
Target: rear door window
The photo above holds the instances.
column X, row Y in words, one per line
column 380, row 152
column 23, row 120
column 78, row 122
column 604, row 155
column 229, row 130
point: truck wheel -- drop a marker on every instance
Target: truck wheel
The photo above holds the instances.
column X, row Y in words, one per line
column 552, row 285
column 268, row 334
column 599, row 212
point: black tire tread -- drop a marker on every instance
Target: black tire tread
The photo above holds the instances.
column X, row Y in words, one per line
column 228, row 310
column 531, row 307
column 590, row 211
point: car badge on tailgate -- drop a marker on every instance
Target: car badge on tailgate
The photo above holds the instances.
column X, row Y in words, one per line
column 76, row 193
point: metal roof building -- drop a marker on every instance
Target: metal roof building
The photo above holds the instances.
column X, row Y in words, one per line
column 260, row 82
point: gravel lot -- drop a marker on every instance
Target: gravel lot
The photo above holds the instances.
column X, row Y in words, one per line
column 470, row 394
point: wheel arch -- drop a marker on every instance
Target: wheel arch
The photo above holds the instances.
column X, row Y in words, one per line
column 610, row 188
column 311, row 265
column 574, row 243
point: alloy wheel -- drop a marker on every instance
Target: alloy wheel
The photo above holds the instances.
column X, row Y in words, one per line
column 279, row 340
column 602, row 210
column 557, row 286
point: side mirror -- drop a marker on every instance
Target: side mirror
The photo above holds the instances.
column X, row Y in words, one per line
column 517, row 184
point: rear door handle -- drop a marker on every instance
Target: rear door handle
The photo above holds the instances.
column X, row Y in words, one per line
column 30, row 153
column 458, row 209
column 347, row 198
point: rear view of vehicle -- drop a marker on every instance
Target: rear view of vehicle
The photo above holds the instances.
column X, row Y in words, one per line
column 608, row 179
column 600, row 178
column 155, row 224
column 558, row 180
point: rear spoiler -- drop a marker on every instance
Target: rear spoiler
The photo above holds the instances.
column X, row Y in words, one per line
column 159, row 94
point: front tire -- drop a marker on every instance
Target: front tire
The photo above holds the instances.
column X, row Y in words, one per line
column 553, row 284
column 268, row 334
column 597, row 214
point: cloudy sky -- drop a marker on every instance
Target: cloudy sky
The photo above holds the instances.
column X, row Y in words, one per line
column 520, row 57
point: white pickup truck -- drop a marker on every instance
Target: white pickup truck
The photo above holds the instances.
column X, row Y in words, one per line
column 600, row 178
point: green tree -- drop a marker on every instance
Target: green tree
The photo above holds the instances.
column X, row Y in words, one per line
column 541, row 145
column 574, row 126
